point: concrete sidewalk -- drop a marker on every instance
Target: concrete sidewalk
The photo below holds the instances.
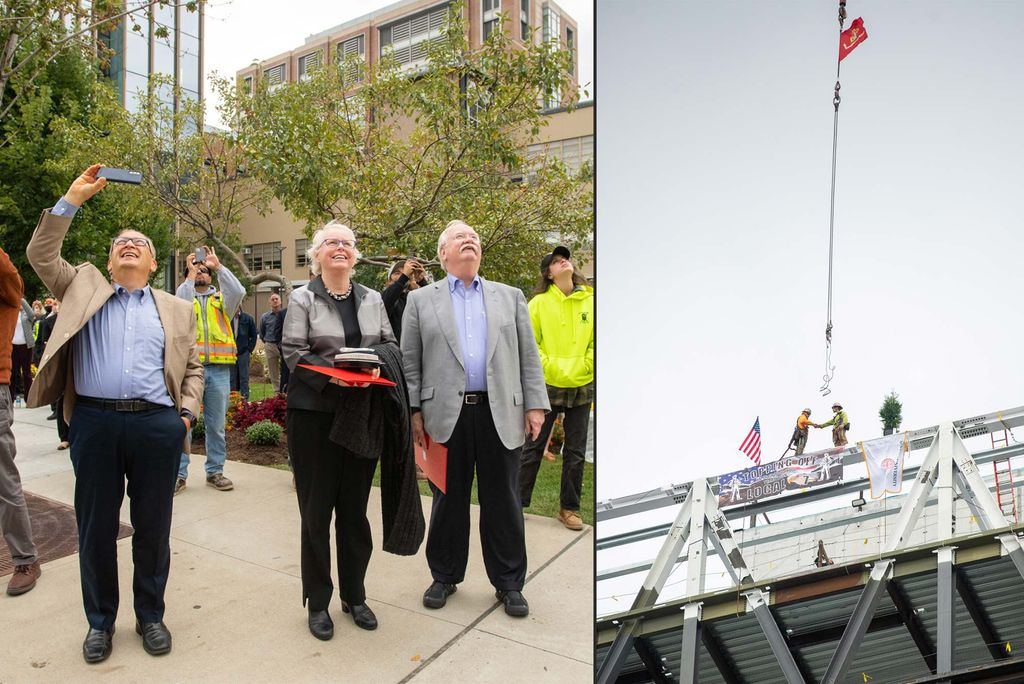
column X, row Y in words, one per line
column 234, row 603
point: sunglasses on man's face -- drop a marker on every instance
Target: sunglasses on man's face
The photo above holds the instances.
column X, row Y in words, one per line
column 205, row 270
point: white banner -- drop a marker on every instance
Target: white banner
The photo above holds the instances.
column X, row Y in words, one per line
column 884, row 458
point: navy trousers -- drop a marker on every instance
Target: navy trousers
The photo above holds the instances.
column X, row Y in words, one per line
column 108, row 448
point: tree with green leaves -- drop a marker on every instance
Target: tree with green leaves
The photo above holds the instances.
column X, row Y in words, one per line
column 38, row 164
column 197, row 177
column 891, row 412
column 396, row 155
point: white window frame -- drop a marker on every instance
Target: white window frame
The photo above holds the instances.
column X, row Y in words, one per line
column 439, row 11
column 488, row 15
column 304, row 71
column 283, row 66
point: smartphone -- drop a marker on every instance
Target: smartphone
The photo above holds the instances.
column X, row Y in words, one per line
column 119, row 175
column 200, row 255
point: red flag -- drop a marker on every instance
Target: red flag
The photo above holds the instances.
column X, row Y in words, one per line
column 852, row 37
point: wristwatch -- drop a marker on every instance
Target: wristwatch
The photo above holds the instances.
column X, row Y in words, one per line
column 185, row 413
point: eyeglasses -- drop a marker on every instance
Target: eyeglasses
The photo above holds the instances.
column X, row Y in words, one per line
column 122, row 241
column 334, row 243
column 204, row 270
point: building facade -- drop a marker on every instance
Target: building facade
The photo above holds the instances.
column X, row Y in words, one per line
column 276, row 240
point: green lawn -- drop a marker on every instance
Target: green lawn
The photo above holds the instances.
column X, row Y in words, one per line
column 545, row 500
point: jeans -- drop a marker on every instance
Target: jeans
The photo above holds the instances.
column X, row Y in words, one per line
column 216, row 385
column 240, row 375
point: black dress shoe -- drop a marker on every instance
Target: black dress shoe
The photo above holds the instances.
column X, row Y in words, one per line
column 437, row 594
column 156, row 638
column 361, row 615
column 321, row 625
column 515, row 603
column 98, row 645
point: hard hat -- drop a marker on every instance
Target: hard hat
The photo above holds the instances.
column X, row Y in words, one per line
column 807, row 411
column 837, row 405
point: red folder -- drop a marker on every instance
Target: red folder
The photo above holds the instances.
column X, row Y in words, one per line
column 348, row 375
column 433, row 462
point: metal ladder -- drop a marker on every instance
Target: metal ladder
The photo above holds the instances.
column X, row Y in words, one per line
column 1004, row 479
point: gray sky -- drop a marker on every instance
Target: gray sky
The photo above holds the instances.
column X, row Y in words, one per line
column 241, row 31
column 714, row 155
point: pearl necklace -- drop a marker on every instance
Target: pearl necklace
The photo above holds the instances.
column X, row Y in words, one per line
column 336, row 296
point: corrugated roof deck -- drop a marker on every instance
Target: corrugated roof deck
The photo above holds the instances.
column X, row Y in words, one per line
column 887, row 654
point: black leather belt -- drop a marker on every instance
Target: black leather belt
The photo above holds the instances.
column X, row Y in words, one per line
column 474, row 398
column 129, row 405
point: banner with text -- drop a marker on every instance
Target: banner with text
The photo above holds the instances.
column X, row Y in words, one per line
column 787, row 474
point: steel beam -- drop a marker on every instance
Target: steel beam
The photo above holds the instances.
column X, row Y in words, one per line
column 863, row 612
column 945, row 609
column 945, row 526
column 648, row 595
column 913, row 623
column 757, row 601
column 652, row 661
column 915, row 501
column 978, row 616
column 714, row 649
column 697, row 550
column 689, row 659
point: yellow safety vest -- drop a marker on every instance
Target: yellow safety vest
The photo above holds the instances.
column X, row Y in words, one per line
column 220, row 348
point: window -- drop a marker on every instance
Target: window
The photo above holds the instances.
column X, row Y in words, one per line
column 136, row 88
column 247, row 84
column 301, row 245
column 274, row 75
column 189, row 65
column 352, row 50
column 490, row 16
column 263, row 256
column 552, row 28
column 163, row 56
column 310, row 63
column 573, row 152
column 570, row 45
column 524, row 19
column 189, row 22
column 406, row 40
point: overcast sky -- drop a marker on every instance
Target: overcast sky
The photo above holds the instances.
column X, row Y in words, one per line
column 713, row 164
column 239, row 32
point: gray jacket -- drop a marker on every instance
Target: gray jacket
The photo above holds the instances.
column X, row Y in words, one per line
column 436, row 375
column 27, row 318
column 313, row 334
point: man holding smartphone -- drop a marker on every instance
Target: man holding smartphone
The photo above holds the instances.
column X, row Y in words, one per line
column 215, row 340
column 124, row 357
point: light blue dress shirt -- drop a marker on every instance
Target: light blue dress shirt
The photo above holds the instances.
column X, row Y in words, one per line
column 64, row 208
column 119, row 354
column 471, row 322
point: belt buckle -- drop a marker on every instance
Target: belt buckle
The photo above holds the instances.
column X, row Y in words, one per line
column 123, row 405
column 472, row 399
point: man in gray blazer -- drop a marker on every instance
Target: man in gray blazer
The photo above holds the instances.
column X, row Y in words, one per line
column 475, row 385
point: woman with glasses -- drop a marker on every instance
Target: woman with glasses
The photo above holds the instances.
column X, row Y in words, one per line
column 329, row 313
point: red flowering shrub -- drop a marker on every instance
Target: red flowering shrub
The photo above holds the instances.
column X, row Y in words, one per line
column 249, row 412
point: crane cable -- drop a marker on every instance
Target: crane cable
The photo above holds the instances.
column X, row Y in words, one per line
column 830, row 369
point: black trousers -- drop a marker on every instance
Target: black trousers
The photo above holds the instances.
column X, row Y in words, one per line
column 330, row 482
column 106, row 448
column 574, row 424
column 475, row 445
column 21, row 369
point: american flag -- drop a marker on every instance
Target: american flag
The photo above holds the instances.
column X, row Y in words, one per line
column 752, row 444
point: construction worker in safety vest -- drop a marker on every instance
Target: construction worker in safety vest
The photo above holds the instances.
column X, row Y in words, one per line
column 840, row 424
column 799, row 440
column 216, row 344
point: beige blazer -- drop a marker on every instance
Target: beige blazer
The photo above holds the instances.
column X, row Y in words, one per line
column 82, row 290
column 435, row 372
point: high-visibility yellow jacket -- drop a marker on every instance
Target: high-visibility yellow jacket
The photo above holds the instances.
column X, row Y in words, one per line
column 564, row 329
column 214, row 337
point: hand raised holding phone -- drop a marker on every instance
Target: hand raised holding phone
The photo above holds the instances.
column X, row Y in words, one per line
column 85, row 186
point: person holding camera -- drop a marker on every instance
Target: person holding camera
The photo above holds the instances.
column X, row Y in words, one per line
column 405, row 277
column 124, row 357
column 215, row 339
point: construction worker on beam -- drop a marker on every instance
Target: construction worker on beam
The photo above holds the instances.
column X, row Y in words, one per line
column 840, row 424
column 799, row 440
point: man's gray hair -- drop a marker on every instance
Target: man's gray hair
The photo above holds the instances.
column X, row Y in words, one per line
column 442, row 239
column 317, row 241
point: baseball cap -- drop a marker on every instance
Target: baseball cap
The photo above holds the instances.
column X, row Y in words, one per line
column 557, row 251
